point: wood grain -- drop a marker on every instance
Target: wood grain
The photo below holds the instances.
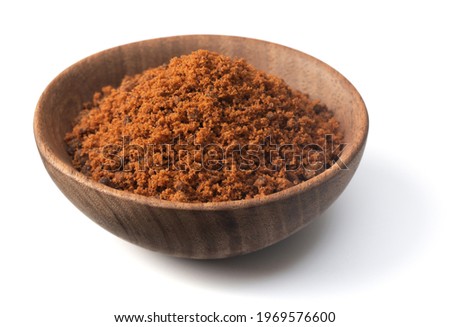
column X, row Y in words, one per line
column 198, row 230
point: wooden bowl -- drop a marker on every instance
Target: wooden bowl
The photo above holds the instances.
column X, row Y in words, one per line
column 198, row 230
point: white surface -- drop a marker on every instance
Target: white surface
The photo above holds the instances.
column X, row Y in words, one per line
column 378, row 257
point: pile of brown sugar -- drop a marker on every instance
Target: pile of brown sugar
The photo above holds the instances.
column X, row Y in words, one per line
column 203, row 128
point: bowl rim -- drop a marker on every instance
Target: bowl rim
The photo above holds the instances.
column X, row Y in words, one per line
column 349, row 153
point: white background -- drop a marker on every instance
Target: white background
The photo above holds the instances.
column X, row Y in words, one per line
column 378, row 257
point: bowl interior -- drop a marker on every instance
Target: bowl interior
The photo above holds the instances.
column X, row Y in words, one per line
column 64, row 97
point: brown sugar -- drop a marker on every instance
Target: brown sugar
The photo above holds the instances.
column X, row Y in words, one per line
column 203, row 128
